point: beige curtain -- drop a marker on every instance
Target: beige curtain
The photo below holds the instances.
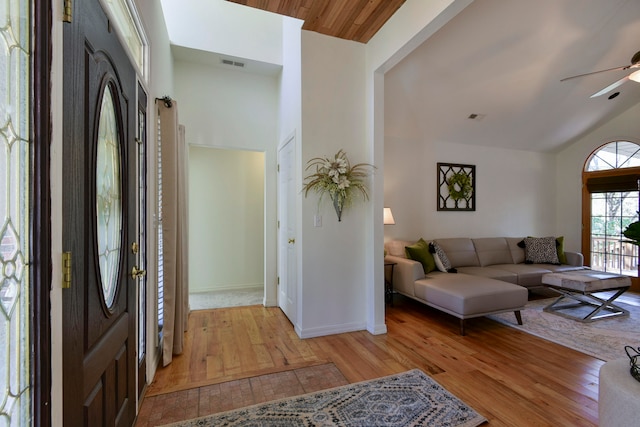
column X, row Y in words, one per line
column 174, row 228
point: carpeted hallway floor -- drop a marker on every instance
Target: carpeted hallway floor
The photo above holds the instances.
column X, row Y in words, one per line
column 197, row 402
column 222, row 299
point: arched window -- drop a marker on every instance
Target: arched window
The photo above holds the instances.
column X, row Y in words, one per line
column 611, row 183
column 614, row 155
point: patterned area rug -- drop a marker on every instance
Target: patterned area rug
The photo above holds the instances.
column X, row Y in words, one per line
column 604, row 339
column 408, row 399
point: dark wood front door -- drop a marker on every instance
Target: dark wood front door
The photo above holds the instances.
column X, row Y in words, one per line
column 99, row 214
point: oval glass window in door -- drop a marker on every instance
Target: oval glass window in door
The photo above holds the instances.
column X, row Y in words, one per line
column 108, row 197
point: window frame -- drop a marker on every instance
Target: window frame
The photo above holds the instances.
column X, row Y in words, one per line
column 41, row 268
column 606, row 178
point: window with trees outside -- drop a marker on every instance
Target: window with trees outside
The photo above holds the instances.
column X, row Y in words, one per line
column 612, row 177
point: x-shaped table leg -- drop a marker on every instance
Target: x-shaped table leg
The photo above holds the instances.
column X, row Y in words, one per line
column 587, row 298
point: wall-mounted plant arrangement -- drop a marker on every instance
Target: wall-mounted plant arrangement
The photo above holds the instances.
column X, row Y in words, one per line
column 337, row 178
column 456, row 187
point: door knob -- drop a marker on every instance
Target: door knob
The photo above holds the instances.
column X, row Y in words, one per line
column 136, row 274
column 292, row 240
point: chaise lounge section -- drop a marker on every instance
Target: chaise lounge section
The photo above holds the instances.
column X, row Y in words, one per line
column 491, row 274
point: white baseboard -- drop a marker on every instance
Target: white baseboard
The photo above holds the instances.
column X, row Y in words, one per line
column 330, row 330
column 242, row 287
column 378, row 329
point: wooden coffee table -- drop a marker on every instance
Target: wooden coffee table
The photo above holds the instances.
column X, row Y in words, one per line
column 580, row 287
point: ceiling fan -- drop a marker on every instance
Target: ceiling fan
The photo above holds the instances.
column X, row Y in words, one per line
column 635, row 76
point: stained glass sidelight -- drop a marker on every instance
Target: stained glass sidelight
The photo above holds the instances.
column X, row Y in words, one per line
column 108, row 198
column 15, row 90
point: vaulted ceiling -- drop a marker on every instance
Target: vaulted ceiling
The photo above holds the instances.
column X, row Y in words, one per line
column 503, row 61
column 357, row 20
column 500, row 62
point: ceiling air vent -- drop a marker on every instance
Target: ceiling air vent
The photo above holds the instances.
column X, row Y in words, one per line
column 233, row 63
column 476, row 116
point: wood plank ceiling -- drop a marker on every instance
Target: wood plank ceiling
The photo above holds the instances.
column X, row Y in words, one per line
column 357, row 20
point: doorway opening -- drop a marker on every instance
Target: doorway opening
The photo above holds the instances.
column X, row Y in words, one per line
column 226, row 227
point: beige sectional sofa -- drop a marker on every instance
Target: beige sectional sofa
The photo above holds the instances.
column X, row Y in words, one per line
column 492, row 276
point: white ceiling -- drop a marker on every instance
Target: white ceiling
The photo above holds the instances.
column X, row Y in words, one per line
column 503, row 60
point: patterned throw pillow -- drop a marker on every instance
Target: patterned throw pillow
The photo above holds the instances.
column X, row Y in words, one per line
column 540, row 250
column 440, row 257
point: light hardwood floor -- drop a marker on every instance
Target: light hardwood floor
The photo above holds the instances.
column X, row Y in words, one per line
column 510, row 377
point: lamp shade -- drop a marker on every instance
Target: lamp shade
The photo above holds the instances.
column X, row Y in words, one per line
column 388, row 217
column 635, row 76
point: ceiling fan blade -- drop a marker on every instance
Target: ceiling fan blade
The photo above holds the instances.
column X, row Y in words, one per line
column 626, row 67
column 611, row 87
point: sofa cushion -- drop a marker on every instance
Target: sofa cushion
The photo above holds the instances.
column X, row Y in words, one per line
column 540, row 250
column 396, row 247
column 492, row 250
column 517, row 251
column 419, row 251
column 529, row 275
column 460, row 251
column 453, row 294
column 490, row 272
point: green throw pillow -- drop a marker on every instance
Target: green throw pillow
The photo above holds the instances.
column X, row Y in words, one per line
column 419, row 251
column 562, row 257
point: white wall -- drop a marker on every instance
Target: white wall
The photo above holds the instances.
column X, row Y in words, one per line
column 290, row 100
column 233, row 109
column 515, row 191
column 226, row 219
column 225, row 27
column 333, row 118
column 569, row 166
column 226, row 108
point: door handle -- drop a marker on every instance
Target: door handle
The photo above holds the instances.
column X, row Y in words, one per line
column 292, row 240
column 136, row 274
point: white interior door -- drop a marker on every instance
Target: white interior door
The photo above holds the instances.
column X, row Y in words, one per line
column 287, row 254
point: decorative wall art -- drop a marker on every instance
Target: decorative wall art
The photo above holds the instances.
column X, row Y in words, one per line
column 337, row 178
column 456, row 187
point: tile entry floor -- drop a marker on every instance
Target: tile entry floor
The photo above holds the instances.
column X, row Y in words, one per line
column 201, row 401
